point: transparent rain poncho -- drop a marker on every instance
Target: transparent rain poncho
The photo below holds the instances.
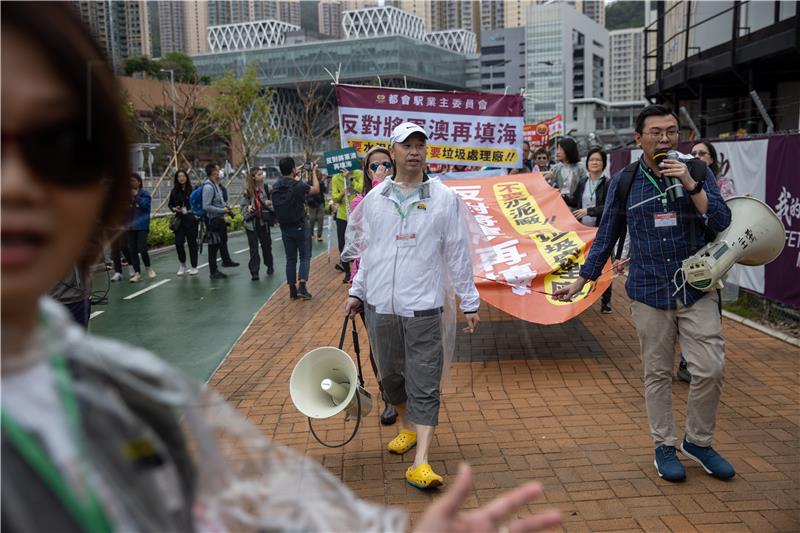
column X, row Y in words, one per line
column 398, row 280
column 240, row 480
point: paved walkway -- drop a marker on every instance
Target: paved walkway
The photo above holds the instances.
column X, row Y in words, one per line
column 560, row 404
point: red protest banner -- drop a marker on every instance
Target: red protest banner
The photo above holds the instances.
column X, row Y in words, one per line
column 476, row 129
column 536, row 247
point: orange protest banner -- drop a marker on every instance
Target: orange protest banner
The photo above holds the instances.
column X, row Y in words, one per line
column 535, row 247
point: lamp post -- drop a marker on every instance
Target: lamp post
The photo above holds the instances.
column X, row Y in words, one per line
column 172, row 81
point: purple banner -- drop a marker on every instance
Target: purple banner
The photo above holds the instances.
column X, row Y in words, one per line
column 782, row 282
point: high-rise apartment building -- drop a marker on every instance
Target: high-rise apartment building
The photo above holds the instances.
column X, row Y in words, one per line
column 566, row 58
column 626, row 75
column 462, row 15
column 502, row 60
column 330, row 14
column 183, row 26
column 594, row 9
column 171, row 26
column 492, row 14
column 121, row 28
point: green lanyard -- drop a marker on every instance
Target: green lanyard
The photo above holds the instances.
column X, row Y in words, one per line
column 662, row 194
column 593, row 188
column 87, row 511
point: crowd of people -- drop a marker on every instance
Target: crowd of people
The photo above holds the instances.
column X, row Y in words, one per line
column 101, row 436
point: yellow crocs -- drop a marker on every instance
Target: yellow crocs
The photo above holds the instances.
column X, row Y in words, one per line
column 404, row 441
column 423, row 477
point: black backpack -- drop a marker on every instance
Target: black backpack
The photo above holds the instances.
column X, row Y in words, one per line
column 698, row 171
column 288, row 203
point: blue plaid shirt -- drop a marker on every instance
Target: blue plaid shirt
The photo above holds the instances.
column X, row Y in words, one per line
column 656, row 253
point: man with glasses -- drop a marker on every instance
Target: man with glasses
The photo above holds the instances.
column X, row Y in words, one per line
column 661, row 228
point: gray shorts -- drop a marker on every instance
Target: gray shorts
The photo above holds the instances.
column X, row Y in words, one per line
column 408, row 351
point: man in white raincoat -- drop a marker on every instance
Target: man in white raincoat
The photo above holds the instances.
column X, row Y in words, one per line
column 414, row 244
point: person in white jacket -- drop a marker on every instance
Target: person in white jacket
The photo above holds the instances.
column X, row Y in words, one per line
column 415, row 253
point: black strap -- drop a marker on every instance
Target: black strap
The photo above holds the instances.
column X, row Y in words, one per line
column 357, row 348
column 621, row 204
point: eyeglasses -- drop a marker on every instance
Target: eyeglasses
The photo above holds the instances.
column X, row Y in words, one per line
column 386, row 164
column 59, row 153
column 700, row 153
column 658, row 134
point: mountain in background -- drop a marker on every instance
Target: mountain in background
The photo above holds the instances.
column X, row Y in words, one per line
column 624, row 14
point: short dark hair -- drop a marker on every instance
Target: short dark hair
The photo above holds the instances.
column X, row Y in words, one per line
column 597, row 150
column 541, row 151
column 714, row 166
column 570, row 148
column 56, row 30
column 655, row 110
column 286, row 165
column 210, row 169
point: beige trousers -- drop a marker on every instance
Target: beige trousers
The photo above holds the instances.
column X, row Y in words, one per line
column 699, row 330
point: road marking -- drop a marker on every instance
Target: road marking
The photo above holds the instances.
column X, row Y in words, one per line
column 150, row 288
column 96, row 314
column 241, row 251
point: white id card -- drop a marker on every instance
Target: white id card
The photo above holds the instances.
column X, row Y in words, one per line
column 408, row 240
column 666, row 220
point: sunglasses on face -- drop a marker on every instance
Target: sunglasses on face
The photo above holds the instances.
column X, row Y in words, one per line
column 375, row 166
column 59, row 153
column 541, row 157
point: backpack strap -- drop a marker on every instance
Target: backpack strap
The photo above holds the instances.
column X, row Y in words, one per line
column 621, row 201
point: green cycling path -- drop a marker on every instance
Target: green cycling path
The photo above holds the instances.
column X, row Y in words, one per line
column 190, row 321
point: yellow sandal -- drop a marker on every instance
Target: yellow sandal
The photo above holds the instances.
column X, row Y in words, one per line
column 404, row 441
column 423, row 477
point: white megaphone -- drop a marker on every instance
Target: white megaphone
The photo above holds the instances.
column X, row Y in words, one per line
column 325, row 382
column 755, row 236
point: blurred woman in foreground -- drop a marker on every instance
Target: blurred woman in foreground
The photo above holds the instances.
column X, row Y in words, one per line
column 98, row 435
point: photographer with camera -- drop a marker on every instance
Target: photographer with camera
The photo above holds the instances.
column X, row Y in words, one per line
column 289, row 202
column 664, row 219
column 255, row 210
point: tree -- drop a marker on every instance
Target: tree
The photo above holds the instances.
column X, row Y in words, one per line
column 623, row 14
column 184, row 68
column 314, row 114
column 190, row 123
column 241, row 108
column 144, row 64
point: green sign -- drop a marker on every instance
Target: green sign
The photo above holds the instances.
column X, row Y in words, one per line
column 338, row 160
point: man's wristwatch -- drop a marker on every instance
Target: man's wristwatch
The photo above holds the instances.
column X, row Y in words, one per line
column 697, row 188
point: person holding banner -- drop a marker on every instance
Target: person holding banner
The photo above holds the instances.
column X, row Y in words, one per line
column 413, row 238
column 344, row 187
column 589, row 201
column 662, row 224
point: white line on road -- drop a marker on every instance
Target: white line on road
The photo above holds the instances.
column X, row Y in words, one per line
column 241, row 251
column 150, row 288
column 201, row 266
column 96, row 314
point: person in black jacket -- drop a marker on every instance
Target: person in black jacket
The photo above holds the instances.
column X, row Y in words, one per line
column 186, row 229
column 589, row 199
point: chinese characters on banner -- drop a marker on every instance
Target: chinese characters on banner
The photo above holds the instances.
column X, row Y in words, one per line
column 477, row 129
column 339, row 160
column 536, row 247
column 541, row 133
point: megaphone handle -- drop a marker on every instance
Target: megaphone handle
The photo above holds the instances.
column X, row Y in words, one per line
column 355, row 429
column 344, row 332
column 357, row 347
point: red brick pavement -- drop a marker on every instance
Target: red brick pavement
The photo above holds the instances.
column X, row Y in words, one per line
column 575, row 423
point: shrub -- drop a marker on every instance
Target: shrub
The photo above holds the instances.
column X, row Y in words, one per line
column 161, row 235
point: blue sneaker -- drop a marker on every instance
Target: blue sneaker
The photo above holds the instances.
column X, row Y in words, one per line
column 668, row 465
column 711, row 461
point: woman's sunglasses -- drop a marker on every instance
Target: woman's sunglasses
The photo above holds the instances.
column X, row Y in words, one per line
column 60, row 153
column 375, row 166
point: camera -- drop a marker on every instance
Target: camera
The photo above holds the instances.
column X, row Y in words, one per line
column 306, row 166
